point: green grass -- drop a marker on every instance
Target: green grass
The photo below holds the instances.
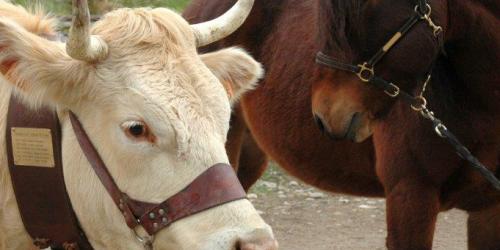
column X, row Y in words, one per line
column 63, row 7
column 273, row 174
column 174, row 4
column 57, row 7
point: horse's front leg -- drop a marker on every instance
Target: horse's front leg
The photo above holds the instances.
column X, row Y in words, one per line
column 483, row 229
column 412, row 209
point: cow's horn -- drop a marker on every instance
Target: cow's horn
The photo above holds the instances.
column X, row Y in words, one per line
column 81, row 45
column 221, row 27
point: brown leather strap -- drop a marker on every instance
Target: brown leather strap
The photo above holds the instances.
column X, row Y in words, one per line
column 40, row 191
column 121, row 200
column 216, row 186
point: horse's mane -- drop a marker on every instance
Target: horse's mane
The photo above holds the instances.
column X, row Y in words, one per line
column 339, row 20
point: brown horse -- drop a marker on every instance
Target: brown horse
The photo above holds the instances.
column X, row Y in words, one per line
column 418, row 173
column 278, row 112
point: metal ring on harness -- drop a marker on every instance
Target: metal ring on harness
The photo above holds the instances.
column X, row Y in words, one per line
column 423, row 104
column 421, row 13
column 366, row 72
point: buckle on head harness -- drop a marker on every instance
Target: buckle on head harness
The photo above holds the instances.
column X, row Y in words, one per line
column 427, row 17
column 366, row 72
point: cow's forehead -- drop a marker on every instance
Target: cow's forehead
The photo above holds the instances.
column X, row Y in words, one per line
column 173, row 82
column 151, row 45
column 153, row 51
column 126, row 29
column 166, row 84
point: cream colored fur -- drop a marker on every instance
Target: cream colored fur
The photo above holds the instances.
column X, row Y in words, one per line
column 152, row 74
column 232, row 67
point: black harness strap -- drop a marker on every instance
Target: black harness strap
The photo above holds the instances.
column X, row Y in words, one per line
column 422, row 5
column 461, row 150
column 321, row 58
column 395, row 39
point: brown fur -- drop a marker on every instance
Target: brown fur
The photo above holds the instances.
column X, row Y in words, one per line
column 245, row 156
column 418, row 173
column 483, row 229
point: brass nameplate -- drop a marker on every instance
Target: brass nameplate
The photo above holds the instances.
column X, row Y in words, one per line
column 32, row 147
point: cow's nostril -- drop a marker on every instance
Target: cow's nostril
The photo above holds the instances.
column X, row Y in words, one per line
column 271, row 244
column 259, row 239
column 319, row 123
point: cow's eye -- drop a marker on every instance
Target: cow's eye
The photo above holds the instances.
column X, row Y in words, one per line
column 136, row 130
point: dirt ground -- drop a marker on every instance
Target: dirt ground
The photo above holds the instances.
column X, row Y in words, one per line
column 304, row 218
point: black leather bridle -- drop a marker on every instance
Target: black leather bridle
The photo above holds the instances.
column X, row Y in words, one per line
column 366, row 73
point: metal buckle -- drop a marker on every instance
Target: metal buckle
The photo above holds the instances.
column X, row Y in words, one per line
column 422, row 106
column 366, row 73
column 146, row 241
column 440, row 128
column 395, row 92
column 427, row 16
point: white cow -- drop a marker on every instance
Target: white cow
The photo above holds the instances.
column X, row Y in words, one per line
column 156, row 110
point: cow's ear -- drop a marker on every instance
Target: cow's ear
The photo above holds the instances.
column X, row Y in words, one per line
column 235, row 69
column 38, row 69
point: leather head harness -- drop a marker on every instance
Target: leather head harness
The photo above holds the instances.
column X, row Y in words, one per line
column 51, row 221
column 366, row 71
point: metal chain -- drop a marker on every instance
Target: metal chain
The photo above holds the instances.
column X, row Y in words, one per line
column 439, row 127
column 424, row 88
